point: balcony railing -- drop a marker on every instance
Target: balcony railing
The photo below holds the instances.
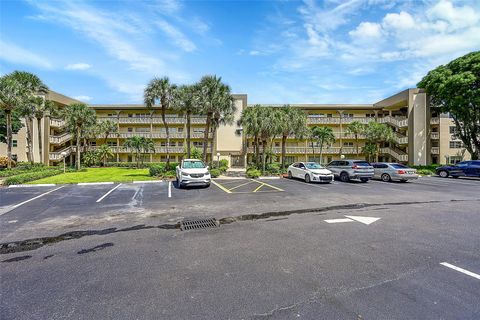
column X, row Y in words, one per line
column 158, row 135
column 435, row 120
column 309, row 150
column 401, row 139
column 397, row 154
column 399, row 122
column 434, row 135
column 336, row 120
column 158, row 149
column 57, row 155
column 57, row 123
column 435, row 150
column 60, row 139
column 154, row 120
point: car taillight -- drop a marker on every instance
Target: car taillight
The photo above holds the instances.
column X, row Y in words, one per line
column 401, row 171
column 354, row 166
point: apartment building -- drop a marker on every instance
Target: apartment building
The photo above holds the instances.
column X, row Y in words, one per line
column 422, row 135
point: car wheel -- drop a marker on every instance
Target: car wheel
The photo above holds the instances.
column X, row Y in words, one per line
column 364, row 180
column 386, row 177
column 403, row 180
column 344, row 177
column 443, row 174
column 289, row 174
column 307, row 178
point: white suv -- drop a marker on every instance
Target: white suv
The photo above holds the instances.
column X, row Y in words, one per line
column 192, row 172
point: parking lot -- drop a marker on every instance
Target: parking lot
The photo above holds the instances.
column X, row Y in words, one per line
column 285, row 249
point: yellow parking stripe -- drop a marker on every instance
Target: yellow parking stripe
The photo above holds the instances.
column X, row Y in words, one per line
column 269, row 185
column 243, row 184
column 221, row 187
column 258, row 187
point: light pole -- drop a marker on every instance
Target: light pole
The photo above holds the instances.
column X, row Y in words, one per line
column 64, row 155
column 218, row 159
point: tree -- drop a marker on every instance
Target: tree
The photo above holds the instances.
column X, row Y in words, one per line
column 147, row 145
column 135, row 144
column 250, row 122
column 293, row 122
column 370, row 149
column 11, row 95
column 455, row 88
column 104, row 152
column 161, row 90
column 106, row 128
column 356, row 128
column 186, row 101
column 322, row 135
column 377, row 133
column 79, row 117
column 16, row 124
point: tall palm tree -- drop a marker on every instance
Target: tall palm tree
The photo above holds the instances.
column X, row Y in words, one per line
column 79, row 117
column 161, row 90
column 250, row 123
column 135, row 144
column 33, row 87
column 106, row 128
column 147, row 145
column 186, row 101
column 104, row 152
column 377, row 133
column 11, row 95
column 356, row 128
column 42, row 107
column 323, row 135
column 293, row 122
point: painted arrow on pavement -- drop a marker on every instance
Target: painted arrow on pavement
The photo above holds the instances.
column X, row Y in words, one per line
column 364, row 220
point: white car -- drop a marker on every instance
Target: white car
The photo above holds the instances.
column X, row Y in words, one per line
column 310, row 171
column 192, row 172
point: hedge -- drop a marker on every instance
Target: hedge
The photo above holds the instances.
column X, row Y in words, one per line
column 173, row 165
column 30, row 176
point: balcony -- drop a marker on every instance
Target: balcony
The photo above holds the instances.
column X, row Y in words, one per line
column 434, row 135
column 158, row 149
column 154, row 120
column 401, row 139
column 435, row 150
column 435, row 120
column 57, row 123
column 308, row 150
column 61, row 139
column 399, row 122
column 57, row 155
column 396, row 153
column 159, row 135
column 336, row 120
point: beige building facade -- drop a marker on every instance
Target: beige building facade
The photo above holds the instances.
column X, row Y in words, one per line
column 422, row 135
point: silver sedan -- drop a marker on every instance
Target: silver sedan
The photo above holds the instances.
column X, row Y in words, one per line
column 387, row 171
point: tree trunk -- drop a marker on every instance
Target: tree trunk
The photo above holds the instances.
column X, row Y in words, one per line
column 257, row 152
column 313, row 149
column 40, row 142
column 321, row 153
column 9, row 138
column 165, row 124
column 29, row 125
column 264, row 147
column 188, row 134
column 284, row 150
column 377, row 152
column 77, row 165
column 356, row 142
column 214, row 136
column 205, row 137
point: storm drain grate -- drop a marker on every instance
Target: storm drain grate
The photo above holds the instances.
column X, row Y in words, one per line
column 198, row 223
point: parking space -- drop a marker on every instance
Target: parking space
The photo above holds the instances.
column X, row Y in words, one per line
column 246, row 186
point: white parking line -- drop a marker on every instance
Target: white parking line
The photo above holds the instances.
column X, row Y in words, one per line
column 149, row 181
column 308, row 184
column 169, row 189
column 468, row 273
column 93, row 183
column 106, row 194
column 27, row 201
column 32, row 185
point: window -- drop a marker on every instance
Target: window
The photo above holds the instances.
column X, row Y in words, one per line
column 129, row 129
column 319, row 115
column 361, row 163
column 370, row 115
column 112, row 143
column 93, row 143
column 456, row 145
column 348, row 115
column 399, row 166
column 129, row 159
column 172, row 144
column 348, row 144
column 329, row 115
column 180, row 143
column 130, row 115
column 313, row 165
column 179, row 130
column 142, row 129
column 454, row 159
column 277, row 144
column 14, row 143
column 453, row 130
column 163, row 144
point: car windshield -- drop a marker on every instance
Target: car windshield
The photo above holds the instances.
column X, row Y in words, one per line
column 399, row 166
column 313, row 165
column 193, row 165
column 362, row 163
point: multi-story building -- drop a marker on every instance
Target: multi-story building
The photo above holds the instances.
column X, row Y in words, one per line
column 422, row 135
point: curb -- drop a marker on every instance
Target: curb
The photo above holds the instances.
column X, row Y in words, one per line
column 32, row 185
column 268, row 178
column 149, row 181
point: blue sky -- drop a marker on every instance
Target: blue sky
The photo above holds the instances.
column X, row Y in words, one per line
column 330, row 51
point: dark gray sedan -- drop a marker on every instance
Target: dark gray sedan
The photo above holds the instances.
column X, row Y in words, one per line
column 387, row 171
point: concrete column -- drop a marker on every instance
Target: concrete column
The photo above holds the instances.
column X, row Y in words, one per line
column 118, row 131
column 340, row 112
column 376, row 115
column 419, row 128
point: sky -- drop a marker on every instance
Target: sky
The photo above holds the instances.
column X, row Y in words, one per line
column 332, row 51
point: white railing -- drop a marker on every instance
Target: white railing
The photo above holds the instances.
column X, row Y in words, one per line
column 57, row 123
column 400, row 156
column 336, row 120
column 154, row 120
column 435, row 120
column 60, row 139
column 434, row 135
column 309, row 150
column 399, row 122
column 57, row 155
column 401, row 139
column 158, row 149
column 435, row 150
column 159, row 135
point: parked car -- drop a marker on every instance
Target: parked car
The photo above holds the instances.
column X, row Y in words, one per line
column 310, row 172
column 469, row 168
column 351, row 169
column 192, row 172
column 393, row 171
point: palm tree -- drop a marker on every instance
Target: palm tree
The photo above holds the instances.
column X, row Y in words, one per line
column 135, row 144
column 293, row 122
column 377, row 133
column 250, row 122
column 323, row 135
column 104, row 152
column 106, row 128
column 11, row 95
column 160, row 89
column 186, row 101
column 147, row 146
column 33, row 88
column 356, row 128
column 79, row 117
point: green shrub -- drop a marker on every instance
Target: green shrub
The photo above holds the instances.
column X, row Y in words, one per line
column 431, row 167
column 157, row 170
column 30, row 176
column 223, row 163
column 169, row 174
column 273, row 168
column 425, row 172
column 215, row 173
column 173, row 166
column 253, row 173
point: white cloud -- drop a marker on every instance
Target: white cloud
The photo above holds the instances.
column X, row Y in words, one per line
column 178, row 38
column 366, row 31
column 83, row 98
column 399, row 21
column 457, row 17
column 12, row 53
column 78, row 66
